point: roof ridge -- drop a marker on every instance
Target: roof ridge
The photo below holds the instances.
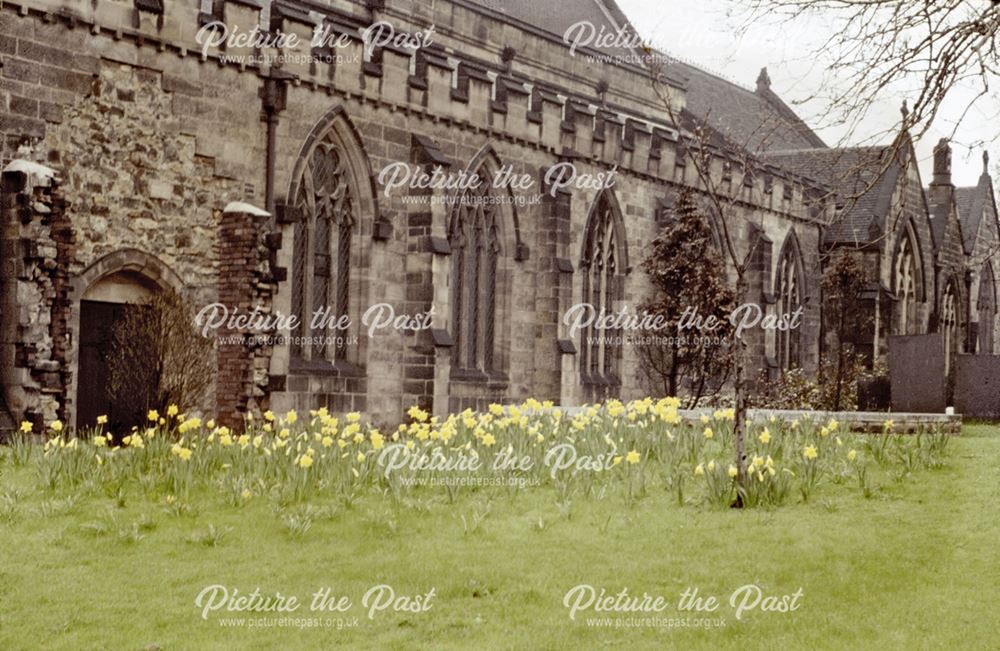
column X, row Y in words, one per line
column 702, row 68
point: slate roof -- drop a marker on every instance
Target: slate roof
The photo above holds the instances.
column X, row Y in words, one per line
column 939, row 213
column 556, row 17
column 757, row 120
column 973, row 204
column 862, row 181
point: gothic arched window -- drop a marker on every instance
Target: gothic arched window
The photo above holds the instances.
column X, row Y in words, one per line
column 322, row 254
column 603, row 266
column 986, row 305
column 905, row 279
column 948, row 324
column 474, row 238
column 788, row 288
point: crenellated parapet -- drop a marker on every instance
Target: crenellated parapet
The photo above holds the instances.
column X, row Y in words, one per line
column 427, row 67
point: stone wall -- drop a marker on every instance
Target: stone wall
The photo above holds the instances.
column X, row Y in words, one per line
column 977, row 386
column 36, row 244
column 246, row 283
column 154, row 137
column 916, row 373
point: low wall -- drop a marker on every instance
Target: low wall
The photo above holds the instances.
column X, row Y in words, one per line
column 977, row 386
column 916, row 373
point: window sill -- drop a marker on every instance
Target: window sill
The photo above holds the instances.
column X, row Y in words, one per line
column 589, row 379
column 341, row 368
column 477, row 376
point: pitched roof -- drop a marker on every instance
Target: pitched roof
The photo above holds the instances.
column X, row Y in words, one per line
column 758, row 120
column 861, row 180
column 557, row 17
column 973, row 204
column 939, row 213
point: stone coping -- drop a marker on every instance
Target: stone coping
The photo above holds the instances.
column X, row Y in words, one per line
column 855, row 421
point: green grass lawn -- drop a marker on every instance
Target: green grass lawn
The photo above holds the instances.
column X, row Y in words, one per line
column 915, row 567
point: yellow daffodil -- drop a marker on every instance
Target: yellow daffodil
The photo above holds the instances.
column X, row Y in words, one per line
column 153, row 415
column 708, row 433
column 26, row 426
column 732, row 472
column 173, row 410
column 269, row 416
column 888, row 425
column 699, row 470
column 489, row 440
column 810, row 452
column 765, row 436
column 852, row 455
column 305, row 461
column 246, row 494
column 377, row 440
column 291, row 417
column 56, row 426
column 361, row 457
column 102, row 420
column 633, row 457
column 100, row 441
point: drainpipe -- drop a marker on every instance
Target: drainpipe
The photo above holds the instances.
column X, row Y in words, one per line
column 273, row 95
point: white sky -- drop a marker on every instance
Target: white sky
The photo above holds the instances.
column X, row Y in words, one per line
column 703, row 32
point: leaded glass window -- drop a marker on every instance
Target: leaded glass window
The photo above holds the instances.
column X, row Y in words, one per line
column 322, row 253
column 474, row 237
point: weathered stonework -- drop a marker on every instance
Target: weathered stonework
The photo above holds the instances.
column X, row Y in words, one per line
column 37, row 243
column 154, row 136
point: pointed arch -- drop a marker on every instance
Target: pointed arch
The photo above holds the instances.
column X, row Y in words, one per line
column 483, row 236
column 950, row 320
column 604, row 263
column 332, row 195
column 986, row 308
column 789, row 289
column 907, row 279
column 486, row 163
column 605, row 217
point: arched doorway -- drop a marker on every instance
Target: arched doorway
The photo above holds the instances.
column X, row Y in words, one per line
column 103, row 305
column 102, row 295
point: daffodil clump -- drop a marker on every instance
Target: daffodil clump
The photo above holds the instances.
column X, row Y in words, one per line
column 630, row 447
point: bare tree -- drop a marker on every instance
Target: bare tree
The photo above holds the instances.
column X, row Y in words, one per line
column 932, row 50
column 716, row 159
column 158, row 357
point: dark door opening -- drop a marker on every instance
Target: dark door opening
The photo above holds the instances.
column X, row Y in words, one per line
column 97, row 320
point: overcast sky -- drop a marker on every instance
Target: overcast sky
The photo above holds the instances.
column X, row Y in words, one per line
column 703, row 33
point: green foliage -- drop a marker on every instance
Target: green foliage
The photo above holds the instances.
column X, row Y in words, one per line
column 794, row 389
column 686, row 270
column 843, row 369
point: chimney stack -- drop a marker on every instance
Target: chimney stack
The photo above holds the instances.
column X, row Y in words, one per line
column 763, row 81
column 942, row 163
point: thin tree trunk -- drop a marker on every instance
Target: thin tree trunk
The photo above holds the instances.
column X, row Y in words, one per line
column 740, row 411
